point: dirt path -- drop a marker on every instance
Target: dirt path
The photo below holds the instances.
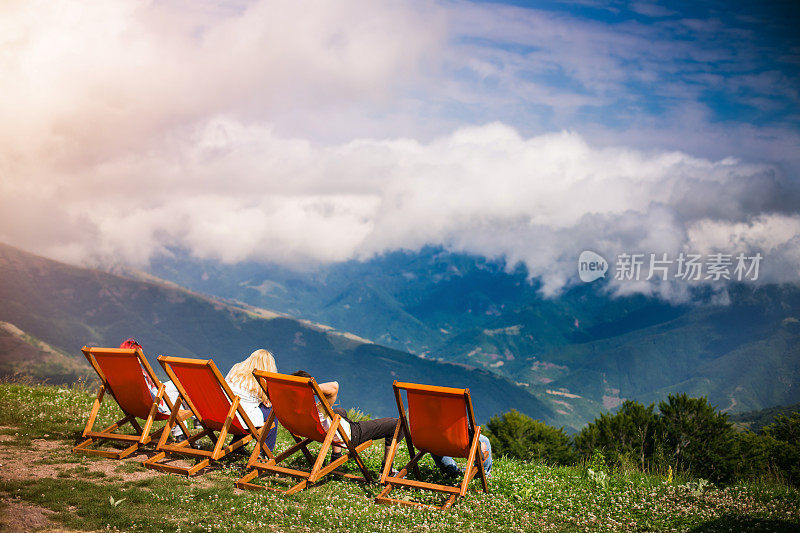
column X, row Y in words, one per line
column 46, row 458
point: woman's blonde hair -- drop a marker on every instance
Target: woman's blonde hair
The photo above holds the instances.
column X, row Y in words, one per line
column 242, row 373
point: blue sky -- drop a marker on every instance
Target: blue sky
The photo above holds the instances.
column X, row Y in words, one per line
column 302, row 132
column 617, row 66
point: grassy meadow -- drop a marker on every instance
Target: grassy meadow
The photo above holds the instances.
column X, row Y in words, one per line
column 39, row 424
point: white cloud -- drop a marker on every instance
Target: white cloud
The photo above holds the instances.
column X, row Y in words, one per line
column 86, row 81
column 299, row 132
column 241, row 192
column 765, row 232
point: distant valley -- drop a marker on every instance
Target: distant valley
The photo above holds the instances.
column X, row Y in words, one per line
column 582, row 353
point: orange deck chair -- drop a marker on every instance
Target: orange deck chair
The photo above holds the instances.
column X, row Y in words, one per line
column 440, row 421
column 204, row 391
column 120, row 373
column 294, row 403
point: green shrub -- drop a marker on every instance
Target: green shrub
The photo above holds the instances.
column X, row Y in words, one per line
column 516, row 435
column 785, row 432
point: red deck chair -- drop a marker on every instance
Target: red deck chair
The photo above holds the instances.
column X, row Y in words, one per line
column 440, row 421
column 294, row 403
column 120, row 373
column 204, row 391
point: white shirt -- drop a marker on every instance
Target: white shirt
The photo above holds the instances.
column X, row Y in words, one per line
column 250, row 403
column 326, row 425
column 171, row 392
column 162, row 405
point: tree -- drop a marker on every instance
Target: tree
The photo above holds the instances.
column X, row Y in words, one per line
column 630, row 431
column 516, row 435
column 785, row 431
column 695, row 435
column 748, row 456
column 785, row 428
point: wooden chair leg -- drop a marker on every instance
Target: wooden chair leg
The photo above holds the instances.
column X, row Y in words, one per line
column 302, row 443
column 392, row 451
column 260, row 442
column 323, row 451
column 450, row 501
column 469, row 471
column 383, row 498
column 271, row 466
column 81, row 448
column 481, row 470
column 95, row 437
column 244, row 482
column 297, row 488
column 182, row 447
column 218, row 452
column 95, row 409
column 473, row 467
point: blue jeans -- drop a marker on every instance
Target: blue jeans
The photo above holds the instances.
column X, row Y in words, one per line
column 272, row 436
column 448, row 466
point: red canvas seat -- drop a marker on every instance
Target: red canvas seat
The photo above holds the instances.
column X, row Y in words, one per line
column 294, row 404
column 121, row 375
column 204, row 391
column 440, row 420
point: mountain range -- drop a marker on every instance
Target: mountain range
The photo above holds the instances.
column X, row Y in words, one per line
column 430, row 316
column 582, row 352
column 52, row 309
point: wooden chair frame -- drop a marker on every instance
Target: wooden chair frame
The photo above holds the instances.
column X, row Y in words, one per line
column 301, row 445
column 142, row 436
column 184, row 447
column 474, row 456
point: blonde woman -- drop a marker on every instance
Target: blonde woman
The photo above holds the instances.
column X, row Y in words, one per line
column 251, row 396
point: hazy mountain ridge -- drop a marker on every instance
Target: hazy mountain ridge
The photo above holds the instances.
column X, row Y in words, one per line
column 584, row 349
column 394, row 299
column 23, row 354
column 742, row 356
column 68, row 307
column 756, row 420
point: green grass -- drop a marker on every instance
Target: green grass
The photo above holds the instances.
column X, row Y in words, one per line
column 523, row 496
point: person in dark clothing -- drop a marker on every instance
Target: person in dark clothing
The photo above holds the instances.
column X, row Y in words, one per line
column 357, row 432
